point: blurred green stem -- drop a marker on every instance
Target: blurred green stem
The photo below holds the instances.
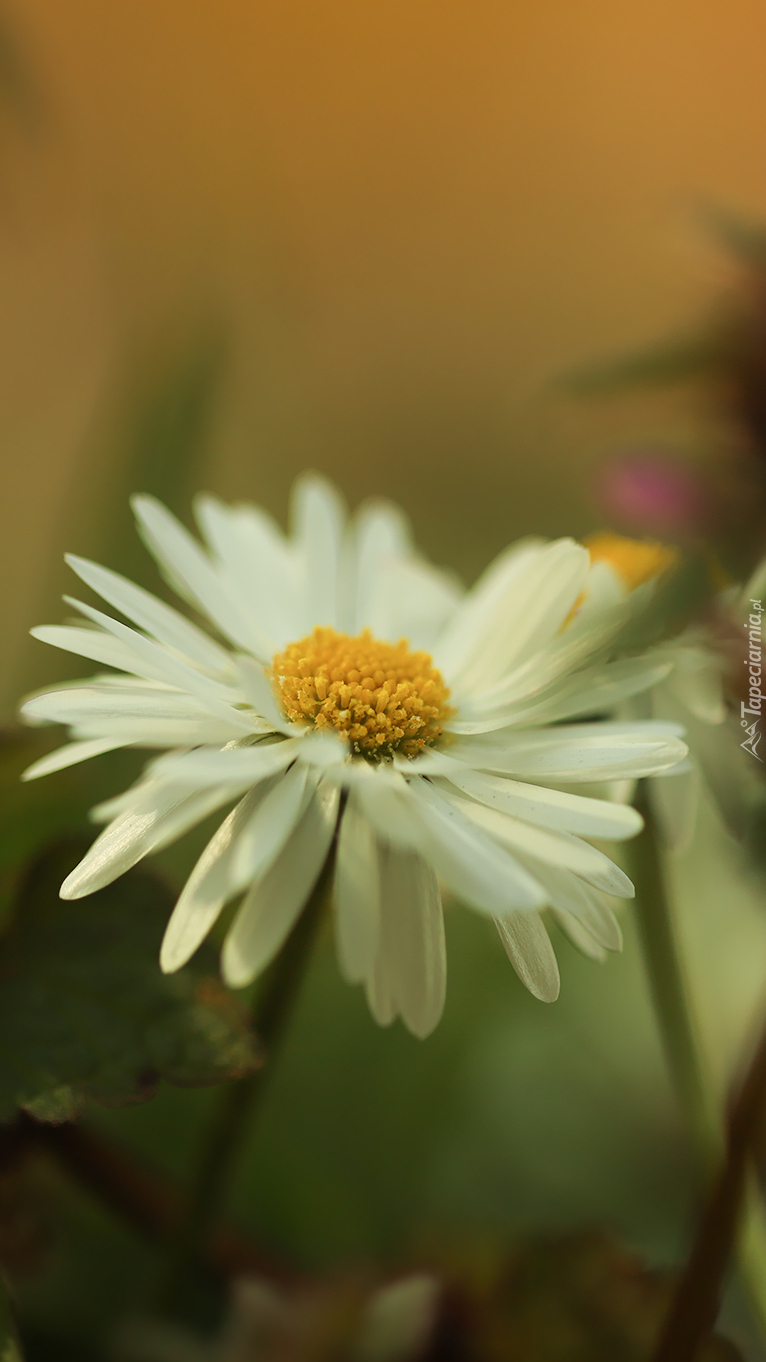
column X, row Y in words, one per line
column 670, row 992
column 10, row 1351
column 233, row 1116
column 685, row 1051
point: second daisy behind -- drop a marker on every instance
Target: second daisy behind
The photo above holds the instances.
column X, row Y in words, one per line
column 351, row 698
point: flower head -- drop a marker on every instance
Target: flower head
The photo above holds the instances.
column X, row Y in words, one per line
column 347, row 696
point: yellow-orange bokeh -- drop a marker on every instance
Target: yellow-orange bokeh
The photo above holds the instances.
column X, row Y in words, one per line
column 410, row 217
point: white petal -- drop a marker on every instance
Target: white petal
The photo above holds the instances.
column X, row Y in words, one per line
column 192, row 574
column 564, row 812
column 461, row 638
column 240, row 766
column 599, row 693
column 575, row 646
column 356, row 894
column 243, row 847
column 580, row 936
column 69, row 755
column 162, row 733
column 158, row 814
column 555, row 848
column 412, row 600
column 108, row 809
column 323, row 748
column 571, row 897
column 526, row 614
column 168, row 668
column 275, row 901
column 318, row 516
column 71, row 704
column 697, row 682
column 379, row 991
column 206, row 890
column 470, row 861
column 96, row 645
column 591, row 691
column 258, row 564
column 272, row 822
column 530, row 952
column 413, row 940
column 379, row 535
column 576, row 754
column 151, row 614
column 259, row 692
column 386, row 802
column 605, row 588
column 129, row 713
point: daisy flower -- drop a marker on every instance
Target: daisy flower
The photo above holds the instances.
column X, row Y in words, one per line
column 345, row 696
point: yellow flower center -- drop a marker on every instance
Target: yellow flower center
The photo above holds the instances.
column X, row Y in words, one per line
column 383, row 696
column 634, row 560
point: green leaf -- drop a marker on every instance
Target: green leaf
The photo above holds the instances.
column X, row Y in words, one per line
column 85, row 1010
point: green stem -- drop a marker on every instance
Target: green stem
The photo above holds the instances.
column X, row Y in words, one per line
column 239, row 1101
column 670, row 993
column 685, row 1053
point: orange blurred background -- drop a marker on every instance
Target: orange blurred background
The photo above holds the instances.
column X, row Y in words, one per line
column 391, row 225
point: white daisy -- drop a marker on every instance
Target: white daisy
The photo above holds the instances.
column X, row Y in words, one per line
column 355, row 697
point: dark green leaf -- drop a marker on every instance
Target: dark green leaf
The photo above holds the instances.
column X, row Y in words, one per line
column 85, row 1010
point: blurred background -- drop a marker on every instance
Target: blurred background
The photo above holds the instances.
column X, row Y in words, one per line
column 371, row 238
column 238, row 240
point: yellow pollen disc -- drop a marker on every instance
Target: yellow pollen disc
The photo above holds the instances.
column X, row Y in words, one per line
column 634, row 560
column 383, row 696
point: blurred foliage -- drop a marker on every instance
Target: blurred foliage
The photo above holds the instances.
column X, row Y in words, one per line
column 576, row 1298
column 677, row 360
column 580, row 1298
column 20, row 90
column 164, row 438
column 9, row 1343
column 85, row 1010
column 724, row 344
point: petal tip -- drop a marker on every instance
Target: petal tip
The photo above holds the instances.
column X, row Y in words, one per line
column 170, row 961
column 71, row 890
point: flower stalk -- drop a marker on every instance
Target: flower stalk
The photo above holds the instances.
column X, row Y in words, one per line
column 733, row 1215
column 670, row 992
column 697, row 1298
column 232, row 1118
